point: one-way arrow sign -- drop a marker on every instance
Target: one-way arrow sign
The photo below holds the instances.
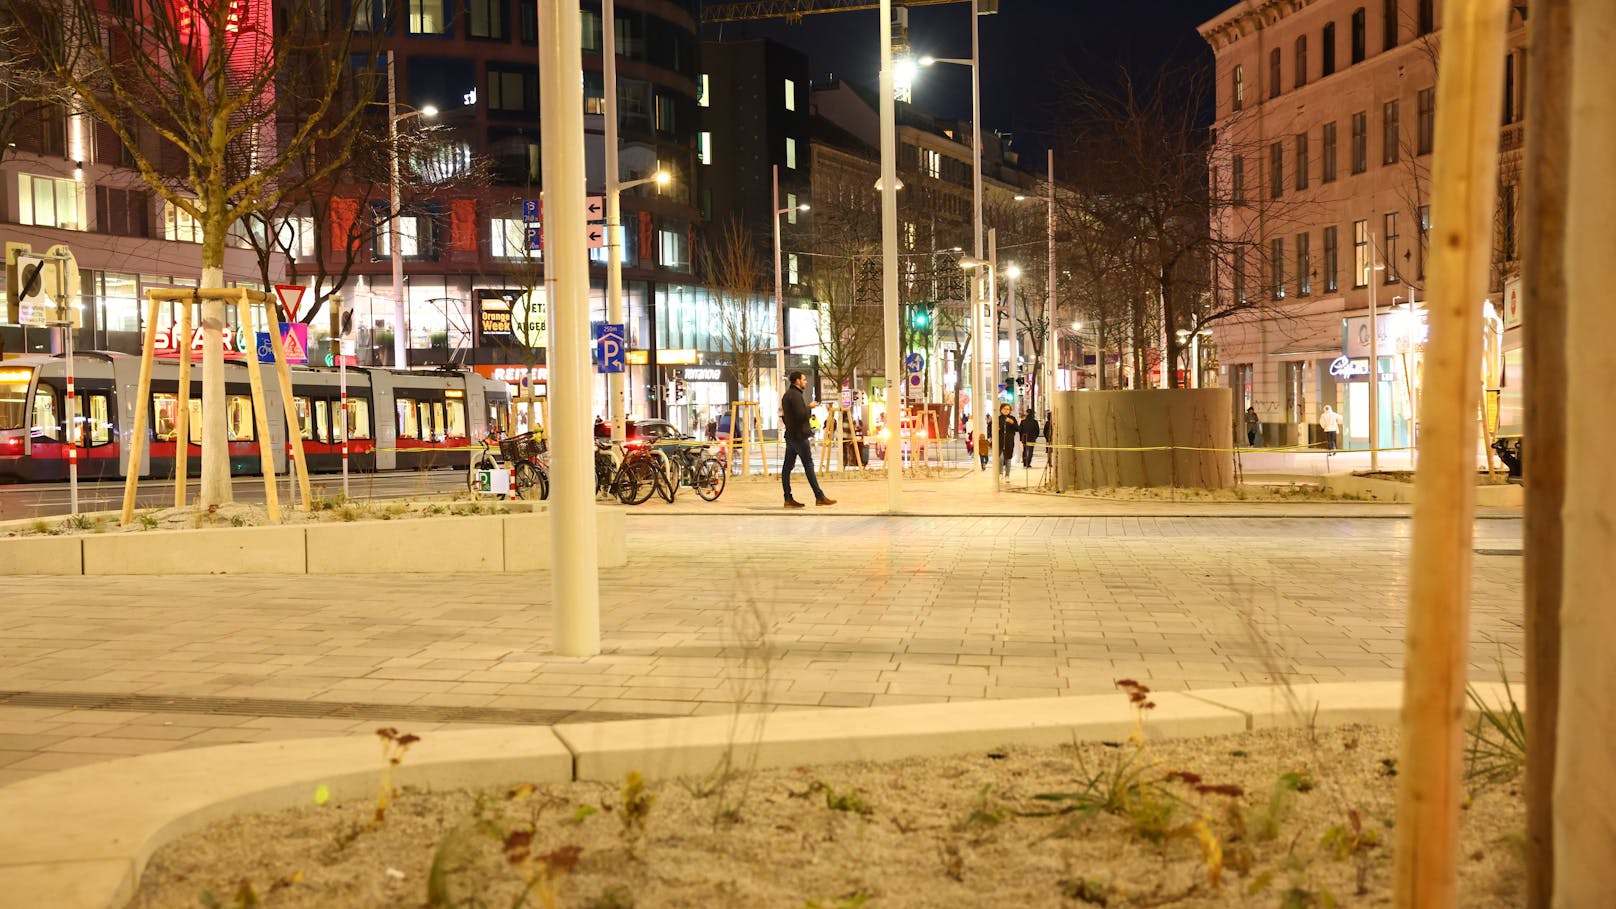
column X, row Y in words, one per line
column 597, row 237
column 595, row 206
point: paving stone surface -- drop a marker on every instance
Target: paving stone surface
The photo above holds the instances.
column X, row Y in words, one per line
column 782, row 610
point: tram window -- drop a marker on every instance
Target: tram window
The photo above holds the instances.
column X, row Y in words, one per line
column 358, row 419
column 164, row 410
column 437, row 422
column 13, row 399
column 305, row 420
column 408, row 425
column 322, row 421
column 97, row 427
column 46, row 425
column 456, row 427
column 239, row 418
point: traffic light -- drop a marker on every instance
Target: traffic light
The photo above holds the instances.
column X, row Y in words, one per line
column 919, row 318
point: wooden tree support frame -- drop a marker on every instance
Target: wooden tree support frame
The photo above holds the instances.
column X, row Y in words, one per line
column 838, row 437
column 745, row 431
column 924, row 420
column 244, row 299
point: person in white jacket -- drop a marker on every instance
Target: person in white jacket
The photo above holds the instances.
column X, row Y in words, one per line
column 1330, row 422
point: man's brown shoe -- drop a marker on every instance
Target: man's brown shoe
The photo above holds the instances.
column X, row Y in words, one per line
column 793, row 503
column 824, row 501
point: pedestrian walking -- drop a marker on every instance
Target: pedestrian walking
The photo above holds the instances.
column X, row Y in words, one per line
column 794, row 413
column 1330, row 422
column 1008, row 430
column 1029, row 438
column 1253, row 427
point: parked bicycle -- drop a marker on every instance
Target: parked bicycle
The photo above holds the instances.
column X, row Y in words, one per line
column 618, row 474
column 528, row 459
column 694, row 465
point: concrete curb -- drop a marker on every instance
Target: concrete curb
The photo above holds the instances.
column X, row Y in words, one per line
column 470, row 543
column 80, row 838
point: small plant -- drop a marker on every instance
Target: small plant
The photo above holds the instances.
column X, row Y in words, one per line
column 40, row 527
column 541, row 871
column 239, row 520
column 245, row 897
column 1352, row 840
column 987, row 812
column 635, row 809
column 146, row 520
column 77, row 522
column 349, row 513
column 1497, row 747
column 394, row 746
column 845, row 801
column 852, row 901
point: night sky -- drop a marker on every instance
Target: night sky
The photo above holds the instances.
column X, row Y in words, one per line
column 1029, row 50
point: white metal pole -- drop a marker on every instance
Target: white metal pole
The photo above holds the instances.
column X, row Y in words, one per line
column 342, row 385
column 1012, row 371
column 400, row 342
column 889, row 263
column 72, row 406
column 983, row 398
column 779, row 305
column 1374, row 364
column 616, row 405
column 574, row 576
column 991, row 351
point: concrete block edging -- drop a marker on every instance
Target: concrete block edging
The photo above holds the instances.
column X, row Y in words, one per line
column 80, row 838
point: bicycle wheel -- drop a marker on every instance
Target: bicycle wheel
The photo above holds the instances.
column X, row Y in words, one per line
column 544, row 482
column 710, row 477
column 523, row 479
column 667, row 486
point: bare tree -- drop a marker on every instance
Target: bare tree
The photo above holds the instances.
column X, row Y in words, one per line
column 192, row 92
column 30, row 102
column 849, row 327
column 734, row 274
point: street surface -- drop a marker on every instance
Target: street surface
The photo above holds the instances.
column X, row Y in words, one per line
column 854, row 610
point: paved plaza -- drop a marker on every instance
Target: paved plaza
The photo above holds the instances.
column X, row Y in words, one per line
column 757, row 606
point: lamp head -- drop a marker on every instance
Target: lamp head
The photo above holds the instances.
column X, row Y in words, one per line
column 927, row 60
column 1013, row 271
column 1020, row 197
column 804, row 207
column 1077, row 326
column 430, row 110
column 662, row 178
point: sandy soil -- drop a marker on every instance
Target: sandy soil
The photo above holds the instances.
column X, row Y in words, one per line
column 1309, row 827
column 237, row 514
column 1254, row 492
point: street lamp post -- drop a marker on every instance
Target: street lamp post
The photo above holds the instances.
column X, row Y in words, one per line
column 1374, row 361
column 394, row 118
column 1012, row 371
column 889, row 259
column 779, row 297
column 614, row 269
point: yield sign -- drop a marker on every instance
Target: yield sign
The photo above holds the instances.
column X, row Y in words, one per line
column 291, row 296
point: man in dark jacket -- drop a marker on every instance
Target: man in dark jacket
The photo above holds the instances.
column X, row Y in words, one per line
column 795, row 429
column 1029, row 438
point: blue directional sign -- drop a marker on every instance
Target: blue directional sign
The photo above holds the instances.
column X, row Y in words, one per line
column 532, row 210
column 915, row 362
column 611, row 347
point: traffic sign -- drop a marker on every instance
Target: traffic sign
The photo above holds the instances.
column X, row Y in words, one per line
column 595, row 206
column 291, row 297
column 914, row 381
column 532, row 209
column 597, row 236
column 915, row 362
column 294, row 342
column 610, row 347
column 535, row 238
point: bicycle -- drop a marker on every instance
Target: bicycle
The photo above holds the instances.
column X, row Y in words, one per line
column 616, row 478
column 528, row 455
column 696, row 467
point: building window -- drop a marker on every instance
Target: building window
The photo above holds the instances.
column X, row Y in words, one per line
column 409, row 237
column 704, row 96
column 1388, row 19
column 1425, row 129
column 486, row 19
column 1237, row 180
column 1304, row 266
column 1331, row 261
column 1427, row 17
column 1514, row 87
column 931, row 163
column 507, row 239
column 1389, row 140
column 1276, row 170
column 1301, row 161
column 1239, row 279
column 589, row 26
column 513, row 89
column 1301, row 60
column 791, row 95
column 791, row 153
column 704, row 147
column 1327, row 50
column 1276, row 261
column 1424, row 227
column 1360, row 41
column 666, row 120
column 179, row 226
column 1327, row 154
column 427, row 17
column 1273, row 73
column 1239, row 88
column 1360, row 254
column 672, row 252
column 123, row 212
column 1389, row 227
column 52, row 202
column 1360, row 142
column 791, row 270
column 791, row 208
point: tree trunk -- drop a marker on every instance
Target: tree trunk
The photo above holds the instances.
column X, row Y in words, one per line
column 1585, row 762
column 216, row 487
column 1543, row 266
